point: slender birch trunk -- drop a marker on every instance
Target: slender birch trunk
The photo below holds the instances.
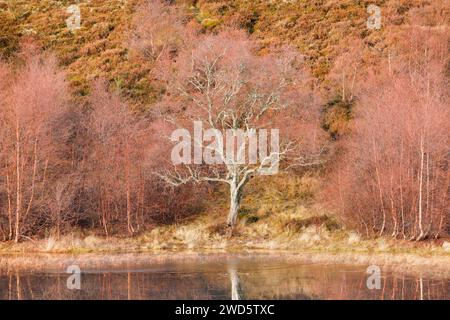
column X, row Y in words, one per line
column 18, row 185
column 420, row 212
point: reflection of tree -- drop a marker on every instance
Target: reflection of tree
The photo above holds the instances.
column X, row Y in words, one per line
column 237, row 292
column 129, row 287
column 188, row 283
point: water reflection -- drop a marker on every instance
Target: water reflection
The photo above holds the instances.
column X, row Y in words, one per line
column 237, row 291
column 232, row 279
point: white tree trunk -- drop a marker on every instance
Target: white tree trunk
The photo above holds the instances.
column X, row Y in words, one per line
column 421, row 234
column 235, row 202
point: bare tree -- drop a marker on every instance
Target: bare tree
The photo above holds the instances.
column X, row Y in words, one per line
column 116, row 158
column 34, row 97
column 158, row 30
column 222, row 86
column 347, row 68
column 63, row 193
column 393, row 176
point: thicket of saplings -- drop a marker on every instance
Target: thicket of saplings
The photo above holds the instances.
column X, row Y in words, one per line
column 68, row 166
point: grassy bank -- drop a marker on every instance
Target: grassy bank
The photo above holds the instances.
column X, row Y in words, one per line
column 198, row 237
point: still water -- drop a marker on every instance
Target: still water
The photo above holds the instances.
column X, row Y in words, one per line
column 232, row 278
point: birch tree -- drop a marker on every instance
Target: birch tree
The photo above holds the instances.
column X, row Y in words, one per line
column 233, row 99
column 393, row 177
column 33, row 97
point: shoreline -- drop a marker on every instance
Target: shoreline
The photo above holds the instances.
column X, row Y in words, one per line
column 169, row 245
column 405, row 263
column 78, row 244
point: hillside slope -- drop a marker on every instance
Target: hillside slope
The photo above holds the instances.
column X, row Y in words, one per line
column 320, row 29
